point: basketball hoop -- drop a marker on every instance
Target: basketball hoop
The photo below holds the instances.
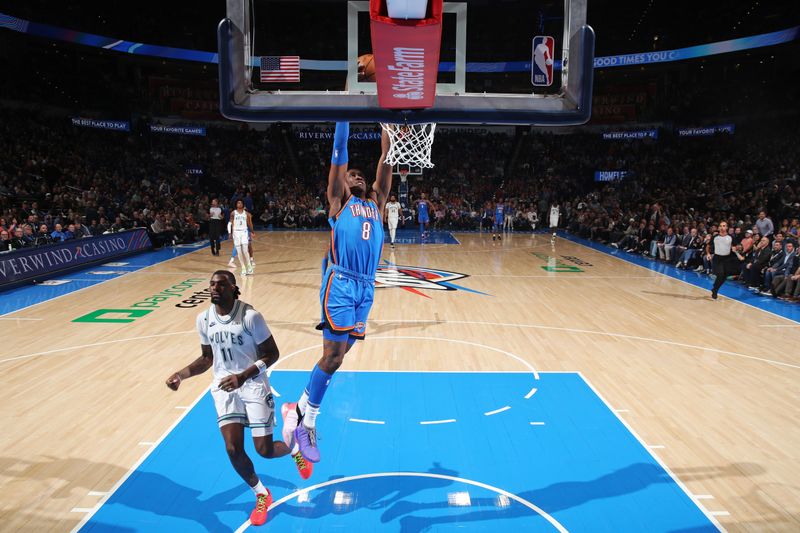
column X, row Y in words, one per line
column 410, row 144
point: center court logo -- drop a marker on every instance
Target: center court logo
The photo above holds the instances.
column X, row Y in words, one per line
column 143, row 307
column 414, row 279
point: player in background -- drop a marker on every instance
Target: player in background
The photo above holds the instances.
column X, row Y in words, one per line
column 499, row 216
column 242, row 225
column 232, row 262
column 393, row 211
column 555, row 213
column 236, row 342
column 346, row 296
column 508, row 222
column 424, row 208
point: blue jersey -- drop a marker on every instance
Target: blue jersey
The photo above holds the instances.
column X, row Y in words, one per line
column 357, row 236
column 422, row 210
column 498, row 212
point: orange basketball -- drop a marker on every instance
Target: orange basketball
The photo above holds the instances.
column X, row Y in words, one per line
column 366, row 68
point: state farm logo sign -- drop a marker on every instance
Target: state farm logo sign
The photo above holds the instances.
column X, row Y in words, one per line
column 408, row 73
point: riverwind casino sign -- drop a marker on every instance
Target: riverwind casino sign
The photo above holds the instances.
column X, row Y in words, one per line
column 38, row 263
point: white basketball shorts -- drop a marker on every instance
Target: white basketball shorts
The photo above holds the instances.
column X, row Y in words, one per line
column 251, row 405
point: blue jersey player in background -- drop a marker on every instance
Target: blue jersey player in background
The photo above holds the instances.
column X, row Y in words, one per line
column 499, row 215
column 424, row 209
column 348, row 286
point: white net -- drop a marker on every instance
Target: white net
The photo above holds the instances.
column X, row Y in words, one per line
column 410, row 144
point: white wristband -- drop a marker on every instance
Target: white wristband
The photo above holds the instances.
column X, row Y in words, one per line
column 262, row 366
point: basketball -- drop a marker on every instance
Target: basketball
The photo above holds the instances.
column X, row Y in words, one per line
column 366, row 67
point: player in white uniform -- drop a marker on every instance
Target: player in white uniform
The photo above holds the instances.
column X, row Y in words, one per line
column 555, row 212
column 393, row 210
column 242, row 227
column 236, row 341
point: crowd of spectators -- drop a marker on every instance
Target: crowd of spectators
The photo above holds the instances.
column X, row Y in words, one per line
column 59, row 182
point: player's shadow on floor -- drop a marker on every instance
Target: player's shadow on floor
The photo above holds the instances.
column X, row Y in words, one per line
column 371, row 493
column 144, row 491
column 392, row 496
column 679, row 296
column 160, row 495
column 552, row 498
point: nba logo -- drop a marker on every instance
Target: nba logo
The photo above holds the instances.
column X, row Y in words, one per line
column 542, row 65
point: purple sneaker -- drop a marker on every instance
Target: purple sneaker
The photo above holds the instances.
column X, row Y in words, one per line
column 307, row 440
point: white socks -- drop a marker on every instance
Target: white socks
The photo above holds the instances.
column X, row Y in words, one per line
column 310, row 416
column 259, row 489
column 302, row 403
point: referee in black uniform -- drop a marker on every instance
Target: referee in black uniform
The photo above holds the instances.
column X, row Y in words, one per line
column 214, row 226
column 725, row 260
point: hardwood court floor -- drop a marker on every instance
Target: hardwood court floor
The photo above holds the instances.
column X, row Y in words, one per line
column 713, row 384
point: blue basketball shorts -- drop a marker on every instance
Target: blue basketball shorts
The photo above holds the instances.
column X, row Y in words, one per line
column 346, row 298
column 424, row 220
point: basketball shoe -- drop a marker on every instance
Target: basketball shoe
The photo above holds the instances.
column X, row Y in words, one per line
column 307, row 441
column 290, row 420
column 259, row 514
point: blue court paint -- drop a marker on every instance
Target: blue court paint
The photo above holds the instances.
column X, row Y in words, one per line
column 409, row 236
column 731, row 289
column 28, row 295
column 582, row 468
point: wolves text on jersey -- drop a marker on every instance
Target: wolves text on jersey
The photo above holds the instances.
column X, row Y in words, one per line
column 226, row 337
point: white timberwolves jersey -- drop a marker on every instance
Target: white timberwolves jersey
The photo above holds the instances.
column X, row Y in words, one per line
column 234, row 338
column 393, row 210
column 554, row 213
column 240, row 221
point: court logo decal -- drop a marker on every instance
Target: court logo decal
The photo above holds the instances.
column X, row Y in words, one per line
column 577, row 260
column 414, row 279
column 139, row 309
column 554, row 264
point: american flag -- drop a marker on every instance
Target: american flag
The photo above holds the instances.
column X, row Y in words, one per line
column 280, row 69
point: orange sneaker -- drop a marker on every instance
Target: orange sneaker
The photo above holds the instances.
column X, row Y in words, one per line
column 259, row 514
column 304, row 467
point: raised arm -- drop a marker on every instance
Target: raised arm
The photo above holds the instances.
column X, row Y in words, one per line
column 337, row 185
column 383, row 175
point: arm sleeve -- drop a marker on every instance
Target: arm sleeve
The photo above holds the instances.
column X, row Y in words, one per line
column 201, row 328
column 340, row 136
column 257, row 326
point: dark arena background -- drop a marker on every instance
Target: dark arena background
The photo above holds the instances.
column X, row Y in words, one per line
column 597, row 329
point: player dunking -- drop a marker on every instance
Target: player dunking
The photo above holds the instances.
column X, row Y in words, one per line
column 497, row 228
column 346, row 296
column 424, row 208
column 393, row 210
column 236, row 341
column 242, row 226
